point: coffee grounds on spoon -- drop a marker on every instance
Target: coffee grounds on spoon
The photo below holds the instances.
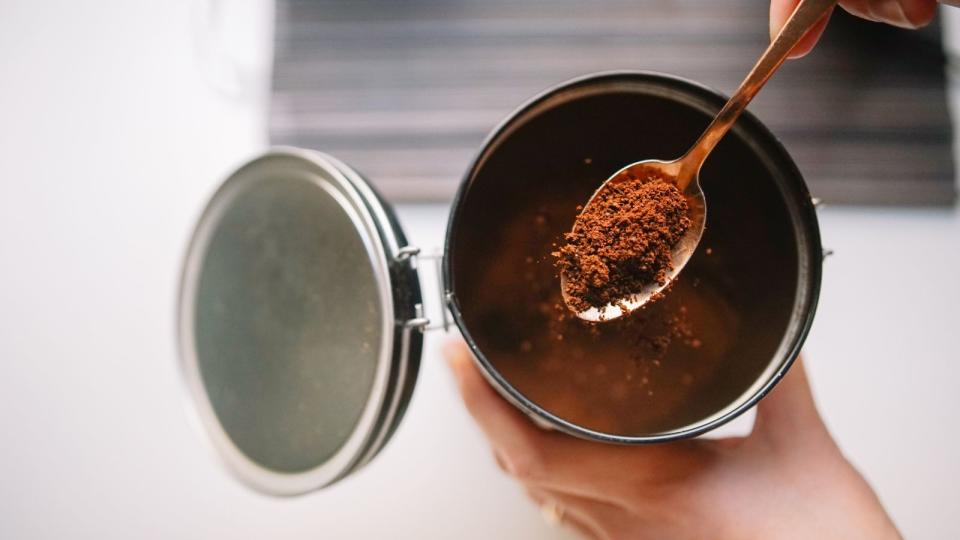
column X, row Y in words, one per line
column 622, row 241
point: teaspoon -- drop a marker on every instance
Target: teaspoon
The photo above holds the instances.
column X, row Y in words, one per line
column 686, row 170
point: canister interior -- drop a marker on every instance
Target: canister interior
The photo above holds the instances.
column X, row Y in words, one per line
column 709, row 342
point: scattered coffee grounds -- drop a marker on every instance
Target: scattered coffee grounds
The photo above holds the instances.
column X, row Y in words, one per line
column 622, row 241
column 651, row 371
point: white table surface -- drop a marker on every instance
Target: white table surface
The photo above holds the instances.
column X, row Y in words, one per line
column 113, row 132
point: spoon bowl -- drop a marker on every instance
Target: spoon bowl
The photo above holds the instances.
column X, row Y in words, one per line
column 685, row 171
column 681, row 251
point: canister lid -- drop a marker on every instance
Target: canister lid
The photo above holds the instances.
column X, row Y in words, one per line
column 291, row 291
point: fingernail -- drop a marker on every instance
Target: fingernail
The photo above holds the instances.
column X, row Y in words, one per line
column 450, row 350
column 455, row 359
column 502, row 462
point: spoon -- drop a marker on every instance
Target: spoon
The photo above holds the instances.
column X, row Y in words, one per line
column 686, row 170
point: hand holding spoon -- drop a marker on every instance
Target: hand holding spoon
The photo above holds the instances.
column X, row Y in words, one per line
column 685, row 170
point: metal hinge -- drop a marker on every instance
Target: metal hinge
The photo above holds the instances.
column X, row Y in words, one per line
column 826, row 252
column 420, row 321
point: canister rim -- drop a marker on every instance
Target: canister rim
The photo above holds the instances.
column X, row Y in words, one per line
column 800, row 205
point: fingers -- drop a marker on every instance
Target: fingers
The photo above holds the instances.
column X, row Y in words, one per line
column 780, row 11
column 552, row 460
column 515, row 440
column 902, row 13
column 532, row 455
column 789, row 414
column 591, row 518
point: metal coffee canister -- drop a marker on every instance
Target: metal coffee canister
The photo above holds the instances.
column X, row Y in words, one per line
column 301, row 318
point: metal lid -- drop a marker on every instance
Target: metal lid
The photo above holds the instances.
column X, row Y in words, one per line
column 288, row 334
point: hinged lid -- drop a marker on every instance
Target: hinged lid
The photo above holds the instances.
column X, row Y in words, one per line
column 291, row 322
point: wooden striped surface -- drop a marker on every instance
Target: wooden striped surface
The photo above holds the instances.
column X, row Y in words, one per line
column 406, row 90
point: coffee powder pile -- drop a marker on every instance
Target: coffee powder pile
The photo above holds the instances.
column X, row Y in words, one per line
column 622, row 241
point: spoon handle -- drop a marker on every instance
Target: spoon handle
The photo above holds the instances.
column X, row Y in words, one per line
column 807, row 14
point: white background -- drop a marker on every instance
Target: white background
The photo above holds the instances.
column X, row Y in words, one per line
column 117, row 122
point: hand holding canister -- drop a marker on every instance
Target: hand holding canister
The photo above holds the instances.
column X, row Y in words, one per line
column 786, row 479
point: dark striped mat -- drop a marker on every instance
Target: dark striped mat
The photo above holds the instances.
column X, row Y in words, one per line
column 405, row 90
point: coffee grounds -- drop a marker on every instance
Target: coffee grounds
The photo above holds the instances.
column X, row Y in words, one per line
column 634, row 375
column 622, row 241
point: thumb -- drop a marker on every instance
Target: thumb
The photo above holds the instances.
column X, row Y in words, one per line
column 780, row 11
column 789, row 410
